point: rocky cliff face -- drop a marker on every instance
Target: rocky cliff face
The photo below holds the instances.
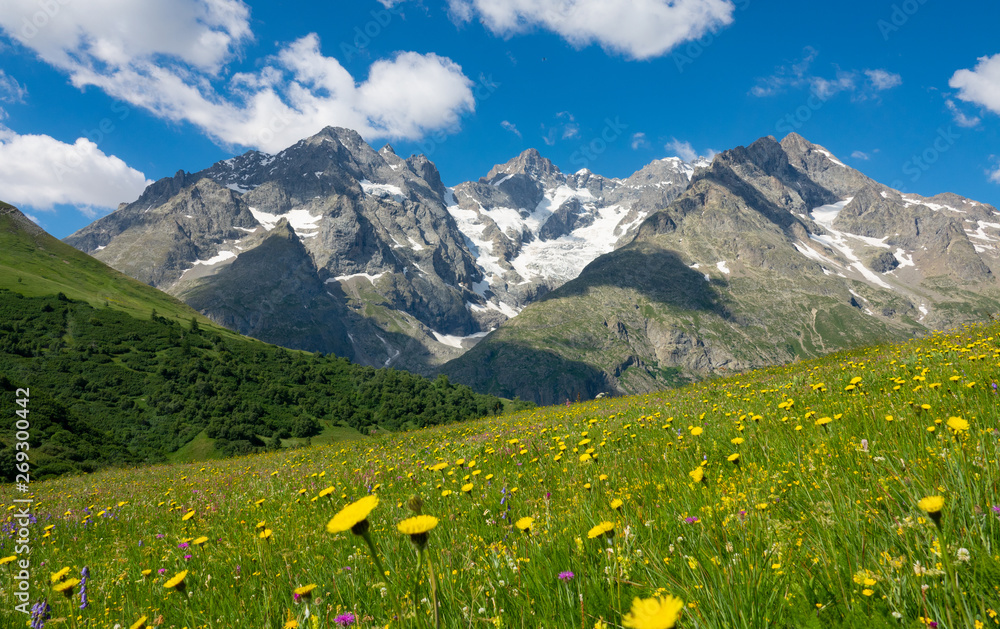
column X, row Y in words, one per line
column 777, row 251
column 333, row 246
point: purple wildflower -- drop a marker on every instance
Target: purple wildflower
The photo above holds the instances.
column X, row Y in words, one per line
column 691, row 519
column 183, row 545
column 996, row 509
column 84, row 576
column 345, row 620
column 566, row 575
column 186, row 557
column 40, row 612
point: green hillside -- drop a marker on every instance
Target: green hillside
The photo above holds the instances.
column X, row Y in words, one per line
column 120, row 373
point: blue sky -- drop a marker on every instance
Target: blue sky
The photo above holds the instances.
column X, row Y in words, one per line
column 98, row 97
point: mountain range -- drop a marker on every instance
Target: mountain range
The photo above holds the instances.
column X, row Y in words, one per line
column 535, row 283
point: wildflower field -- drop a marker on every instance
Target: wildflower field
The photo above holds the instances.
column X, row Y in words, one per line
column 858, row 490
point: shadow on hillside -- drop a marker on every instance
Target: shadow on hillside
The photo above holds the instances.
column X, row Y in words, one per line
column 657, row 273
column 513, row 370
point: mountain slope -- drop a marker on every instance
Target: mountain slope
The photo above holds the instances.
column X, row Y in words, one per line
column 766, row 258
column 120, row 373
column 34, row 263
column 414, row 272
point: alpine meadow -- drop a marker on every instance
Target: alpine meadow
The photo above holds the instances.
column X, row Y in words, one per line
column 499, row 314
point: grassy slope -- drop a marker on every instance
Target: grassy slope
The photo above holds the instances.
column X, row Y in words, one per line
column 36, row 264
column 819, row 524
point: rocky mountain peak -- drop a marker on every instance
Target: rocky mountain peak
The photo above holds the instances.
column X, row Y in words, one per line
column 530, row 163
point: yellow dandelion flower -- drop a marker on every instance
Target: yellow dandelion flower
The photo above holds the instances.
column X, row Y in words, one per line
column 266, row 534
column 305, row 590
column 66, row 587
column 418, row 528
column 525, row 523
column 7, row 560
column 187, row 516
column 417, row 524
column 326, row 492
column 139, row 624
column 200, row 541
column 958, row 424
column 353, row 517
column 601, row 530
column 616, row 504
column 176, row 581
column 697, row 430
column 734, row 458
column 466, row 488
column 932, row 504
column 56, row 577
column 653, row 613
column 823, row 421
column 697, row 474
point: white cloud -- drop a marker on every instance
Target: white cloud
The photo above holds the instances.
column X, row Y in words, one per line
column 995, row 175
column 798, row 75
column 169, row 57
column 565, row 128
column 639, row 141
column 826, row 88
column 510, row 126
column 10, row 90
column 860, row 155
column 200, row 33
column 638, row 29
column 980, row 85
column 961, row 119
column 39, row 171
column 683, row 150
column 882, row 80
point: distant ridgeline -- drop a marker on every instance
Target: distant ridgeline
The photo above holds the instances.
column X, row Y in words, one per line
column 110, row 389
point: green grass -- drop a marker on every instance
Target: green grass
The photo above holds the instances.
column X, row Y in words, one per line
column 818, row 525
column 36, row 265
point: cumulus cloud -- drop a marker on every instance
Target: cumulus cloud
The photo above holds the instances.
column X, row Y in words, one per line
column 10, row 90
column 169, row 57
column 683, row 150
column 881, row 80
column 510, row 126
column 980, row 85
column 960, row 117
column 39, row 171
column 638, row 29
column 862, row 85
column 639, row 141
column 995, row 175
